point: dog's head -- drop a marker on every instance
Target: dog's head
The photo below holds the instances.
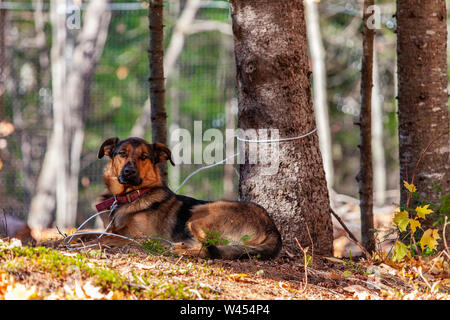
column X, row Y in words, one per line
column 133, row 163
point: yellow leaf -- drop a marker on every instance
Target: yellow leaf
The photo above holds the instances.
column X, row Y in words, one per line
column 423, row 211
column 241, row 277
column 401, row 220
column 400, row 251
column 414, row 224
column 410, row 187
column 429, row 238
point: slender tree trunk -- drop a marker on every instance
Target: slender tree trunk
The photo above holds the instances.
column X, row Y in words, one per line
column 157, row 99
column 2, row 59
column 60, row 107
column 379, row 162
column 365, row 175
column 320, row 87
column 59, row 174
column 423, row 97
column 274, row 91
column 87, row 53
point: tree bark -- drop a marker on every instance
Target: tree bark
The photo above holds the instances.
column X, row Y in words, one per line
column 157, row 91
column 423, row 97
column 365, row 175
column 274, row 91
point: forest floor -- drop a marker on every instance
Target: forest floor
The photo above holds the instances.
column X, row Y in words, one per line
column 147, row 272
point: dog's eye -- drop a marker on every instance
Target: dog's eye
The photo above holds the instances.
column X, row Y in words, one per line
column 122, row 154
column 143, row 158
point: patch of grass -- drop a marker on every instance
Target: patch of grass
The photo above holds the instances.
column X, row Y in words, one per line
column 59, row 265
column 214, row 238
column 154, row 247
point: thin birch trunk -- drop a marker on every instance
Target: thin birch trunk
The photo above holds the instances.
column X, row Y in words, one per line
column 379, row 162
column 320, row 87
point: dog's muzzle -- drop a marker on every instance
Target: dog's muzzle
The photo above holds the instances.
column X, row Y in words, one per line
column 130, row 175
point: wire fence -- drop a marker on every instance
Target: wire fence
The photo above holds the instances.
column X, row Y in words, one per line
column 200, row 87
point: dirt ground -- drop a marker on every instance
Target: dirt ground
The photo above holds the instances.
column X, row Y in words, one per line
column 130, row 272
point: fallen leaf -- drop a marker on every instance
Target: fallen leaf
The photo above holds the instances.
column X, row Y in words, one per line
column 354, row 288
column 92, row 291
column 20, row 292
column 79, row 293
column 285, row 286
column 241, row 277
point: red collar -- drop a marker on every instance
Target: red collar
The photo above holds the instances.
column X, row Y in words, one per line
column 121, row 199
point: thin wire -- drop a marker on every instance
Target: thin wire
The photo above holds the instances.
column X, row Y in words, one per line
column 277, row 140
column 204, row 168
column 236, row 154
column 85, row 221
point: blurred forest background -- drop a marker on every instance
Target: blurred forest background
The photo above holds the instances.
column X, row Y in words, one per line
column 200, row 86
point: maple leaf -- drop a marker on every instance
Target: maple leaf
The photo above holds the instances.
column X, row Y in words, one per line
column 422, row 211
column 400, row 251
column 429, row 238
column 414, row 224
column 410, row 187
column 401, row 220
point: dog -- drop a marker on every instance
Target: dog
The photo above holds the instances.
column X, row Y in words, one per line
column 147, row 207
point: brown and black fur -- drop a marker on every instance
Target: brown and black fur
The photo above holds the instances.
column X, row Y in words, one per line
column 246, row 227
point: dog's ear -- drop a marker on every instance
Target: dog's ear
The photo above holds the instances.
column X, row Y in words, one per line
column 108, row 147
column 162, row 153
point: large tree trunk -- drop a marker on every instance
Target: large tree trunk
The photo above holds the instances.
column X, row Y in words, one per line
column 365, row 175
column 274, row 91
column 423, row 96
column 157, row 88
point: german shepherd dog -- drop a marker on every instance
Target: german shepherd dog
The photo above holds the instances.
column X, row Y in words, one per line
column 214, row 229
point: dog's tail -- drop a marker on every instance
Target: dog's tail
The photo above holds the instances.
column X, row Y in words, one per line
column 268, row 249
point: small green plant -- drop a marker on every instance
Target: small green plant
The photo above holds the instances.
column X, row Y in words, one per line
column 409, row 219
column 214, row 238
column 246, row 238
column 153, row 247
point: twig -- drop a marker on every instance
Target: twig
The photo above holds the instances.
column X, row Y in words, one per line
column 419, row 272
column 352, row 237
column 305, row 264
column 310, row 239
column 444, row 238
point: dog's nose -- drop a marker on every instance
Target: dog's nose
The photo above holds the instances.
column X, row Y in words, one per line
column 129, row 170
